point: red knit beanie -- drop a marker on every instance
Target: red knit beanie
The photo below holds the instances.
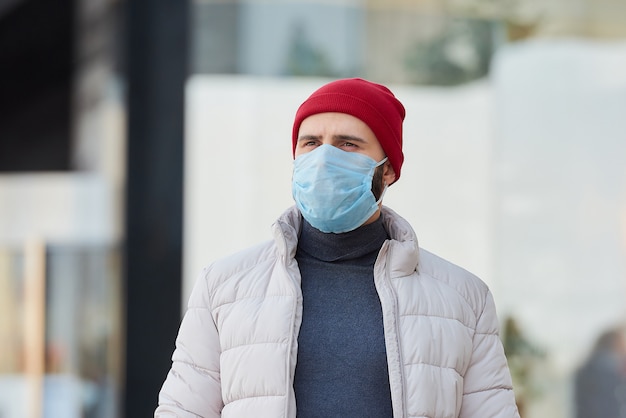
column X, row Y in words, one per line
column 372, row 103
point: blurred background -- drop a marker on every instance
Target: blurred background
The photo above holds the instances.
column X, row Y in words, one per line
column 139, row 141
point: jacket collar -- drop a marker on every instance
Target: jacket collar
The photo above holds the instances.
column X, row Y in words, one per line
column 402, row 236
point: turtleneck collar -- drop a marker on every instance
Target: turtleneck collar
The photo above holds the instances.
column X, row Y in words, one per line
column 352, row 245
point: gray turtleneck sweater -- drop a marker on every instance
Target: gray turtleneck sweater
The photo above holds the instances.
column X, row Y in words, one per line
column 341, row 369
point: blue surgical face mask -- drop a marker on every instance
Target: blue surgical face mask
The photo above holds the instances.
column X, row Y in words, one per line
column 333, row 188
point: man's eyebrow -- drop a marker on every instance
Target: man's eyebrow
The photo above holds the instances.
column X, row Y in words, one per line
column 340, row 137
column 351, row 138
column 308, row 137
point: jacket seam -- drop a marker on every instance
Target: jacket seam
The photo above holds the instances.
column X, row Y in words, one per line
column 253, row 397
column 499, row 387
column 482, row 310
column 422, row 363
column 439, row 316
column 254, row 343
column 195, row 366
column 178, row 406
column 263, row 297
column 256, row 396
column 494, row 333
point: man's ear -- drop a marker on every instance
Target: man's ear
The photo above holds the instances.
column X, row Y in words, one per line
column 389, row 174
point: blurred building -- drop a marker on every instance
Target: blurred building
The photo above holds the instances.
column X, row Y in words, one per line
column 61, row 178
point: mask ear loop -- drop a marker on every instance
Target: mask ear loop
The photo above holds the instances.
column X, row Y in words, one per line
column 380, row 199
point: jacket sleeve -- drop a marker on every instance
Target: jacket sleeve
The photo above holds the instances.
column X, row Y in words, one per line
column 488, row 391
column 192, row 387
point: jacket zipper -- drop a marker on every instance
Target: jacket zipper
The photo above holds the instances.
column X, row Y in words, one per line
column 393, row 300
column 292, row 336
column 279, row 234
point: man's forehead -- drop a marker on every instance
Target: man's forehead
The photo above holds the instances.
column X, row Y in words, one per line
column 330, row 120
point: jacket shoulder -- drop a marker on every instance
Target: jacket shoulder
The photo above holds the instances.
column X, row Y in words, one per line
column 243, row 259
column 468, row 285
column 232, row 267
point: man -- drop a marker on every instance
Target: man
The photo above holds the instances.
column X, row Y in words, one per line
column 600, row 382
column 341, row 314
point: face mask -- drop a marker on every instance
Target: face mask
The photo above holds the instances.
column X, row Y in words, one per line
column 333, row 188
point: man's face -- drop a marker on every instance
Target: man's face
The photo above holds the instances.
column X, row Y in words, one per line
column 345, row 132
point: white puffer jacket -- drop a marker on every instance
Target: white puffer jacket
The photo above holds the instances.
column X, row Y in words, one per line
column 237, row 345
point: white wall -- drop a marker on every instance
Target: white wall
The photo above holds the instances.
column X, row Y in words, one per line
column 561, row 187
